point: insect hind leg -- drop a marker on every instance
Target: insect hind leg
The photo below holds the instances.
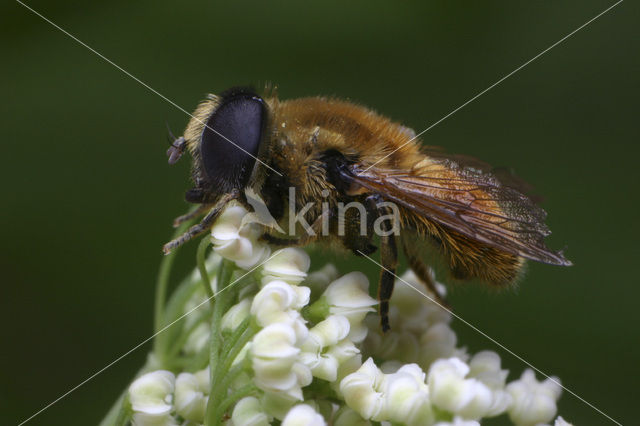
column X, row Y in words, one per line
column 424, row 274
column 389, row 262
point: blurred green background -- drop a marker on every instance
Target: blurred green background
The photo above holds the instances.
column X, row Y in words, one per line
column 88, row 197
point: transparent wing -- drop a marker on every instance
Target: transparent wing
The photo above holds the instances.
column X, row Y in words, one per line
column 469, row 200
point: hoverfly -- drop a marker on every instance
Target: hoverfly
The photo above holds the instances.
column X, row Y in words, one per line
column 339, row 152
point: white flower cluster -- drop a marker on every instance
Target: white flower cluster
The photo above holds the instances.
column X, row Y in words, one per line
column 289, row 352
column 305, row 358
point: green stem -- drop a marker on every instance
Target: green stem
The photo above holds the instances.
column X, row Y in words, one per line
column 215, row 339
column 237, row 333
column 229, row 378
column 202, row 266
column 228, row 401
column 241, row 341
column 233, row 345
column 126, row 412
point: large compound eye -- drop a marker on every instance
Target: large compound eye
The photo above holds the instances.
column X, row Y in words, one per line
column 231, row 140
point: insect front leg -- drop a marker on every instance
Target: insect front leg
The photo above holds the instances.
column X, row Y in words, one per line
column 205, row 224
column 188, row 216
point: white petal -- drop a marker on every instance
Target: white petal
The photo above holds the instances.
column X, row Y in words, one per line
column 190, row 401
column 236, row 314
column 322, row 277
column 274, row 374
column 302, row 297
column 407, row 398
column 259, row 254
column 414, row 371
column 450, row 391
column 273, row 299
column 561, row 422
column 348, row 417
column 277, row 404
column 360, row 390
column 303, row 415
column 144, row 419
column 289, row 264
column 274, row 360
column 485, row 366
column 204, row 378
column 350, row 291
column 326, row 368
column 228, row 224
column 532, row 401
column 303, row 374
column 275, row 341
column 331, row 330
column 458, row 421
column 152, row 393
column 198, row 339
column 343, row 351
column 249, row 412
column 235, row 249
column 439, row 341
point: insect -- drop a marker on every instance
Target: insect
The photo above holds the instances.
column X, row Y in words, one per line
column 337, row 152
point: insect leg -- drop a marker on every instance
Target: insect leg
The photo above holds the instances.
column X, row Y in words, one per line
column 389, row 261
column 197, row 212
column 358, row 229
column 284, row 242
column 204, row 225
column 423, row 272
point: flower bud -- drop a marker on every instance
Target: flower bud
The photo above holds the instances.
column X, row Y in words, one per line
column 277, row 303
column 458, row 421
column 533, row 402
column 451, row 391
column 236, row 315
column 236, row 239
column 249, row 412
column 407, row 397
column 190, row 398
column 345, row 416
column 289, row 264
column 303, row 415
column 152, row 393
column 151, row 397
column 274, row 360
column 348, row 296
column 361, row 390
